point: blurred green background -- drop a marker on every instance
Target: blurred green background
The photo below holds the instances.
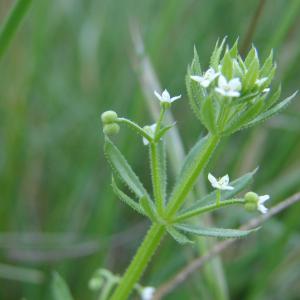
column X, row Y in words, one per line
column 72, row 60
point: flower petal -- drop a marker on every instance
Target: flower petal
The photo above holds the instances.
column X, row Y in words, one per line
column 158, row 96
column 262, row 208
column 263, row 199
column 224, row 180
column 222, row 82
column 212, row 179
column 175, row 98
column 166, row 96
column 197, row 78
column 235, row 84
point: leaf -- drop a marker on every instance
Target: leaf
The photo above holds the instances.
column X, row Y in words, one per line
column 267, row 66
column 149, row 208
column 252, row 55
column 209, row 114
column 269, row 113
column 214, row 232
column 239, row 184
column 191, row 157
column 59, row 288
column 121, row 167
column 178, row 236
column 215, row 57
column 234, row 50
column 126, row 199
column 273, row 98
column 163, row 131
column 195, row 92
column 227, row 66
column 248, row 114
column 252, row 74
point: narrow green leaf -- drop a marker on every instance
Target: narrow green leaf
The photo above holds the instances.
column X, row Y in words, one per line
column 234, row 50
column 252, row 55
column 274, row 110
column 214, row 232
column 178, row 236
column 245, row 116
column 209, row 114
column 273, row 98
column 59, row 288
column 267, row 66
column 216, row 55
column 126, row 199
column 163, row 131
column 195, row 92
column 149, row 208
column 227, row 66
column 121, row 167
column 252, row 74
column 192, row 156
column 239, row 184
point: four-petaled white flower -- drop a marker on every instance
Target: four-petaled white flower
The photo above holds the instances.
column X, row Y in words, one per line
column 165, row 97
column 147, row 293
column 209, row 76
column 229, row 88
column 261, row 81
column 150, row 130
column 260, row 203
column 221, row 184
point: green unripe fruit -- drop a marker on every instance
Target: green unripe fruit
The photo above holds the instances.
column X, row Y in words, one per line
column 251, row 197
column 111, row 129
column 250, row 206
column 95, row 283
column 109, row 117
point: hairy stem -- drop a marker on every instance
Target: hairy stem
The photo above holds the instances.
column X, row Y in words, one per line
column 139, row 262
column 207, row 208
column 156, row 178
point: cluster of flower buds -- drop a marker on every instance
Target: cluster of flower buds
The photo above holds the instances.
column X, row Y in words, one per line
column 233, row 93
column 109, row 119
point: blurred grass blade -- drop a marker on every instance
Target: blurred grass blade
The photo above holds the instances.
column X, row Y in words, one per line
column 12, row 22
column 21, row 274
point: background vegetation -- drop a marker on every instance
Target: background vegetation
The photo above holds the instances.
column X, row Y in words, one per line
column 72, row 60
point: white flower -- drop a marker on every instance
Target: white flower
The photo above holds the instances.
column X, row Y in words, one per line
column 260, row 203
column 209, row 76
column 165, row 97
column 150, row 130
column 147, row 293
column 221, row 184
column 261, row 81
column 229, row 88
column 266, row 90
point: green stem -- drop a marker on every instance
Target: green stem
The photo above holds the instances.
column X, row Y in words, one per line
column 139, row 262
column 156, row 178
column 135, row 127
column 207, row 208
column 180, row 195
column 11, row 23
column 218, row 200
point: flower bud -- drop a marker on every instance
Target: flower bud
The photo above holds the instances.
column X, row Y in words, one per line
column 111, row 129
column 109, row 117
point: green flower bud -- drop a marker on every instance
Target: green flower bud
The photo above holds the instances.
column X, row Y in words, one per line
column 250, row 206
column 111, row 129
column 109, row 117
